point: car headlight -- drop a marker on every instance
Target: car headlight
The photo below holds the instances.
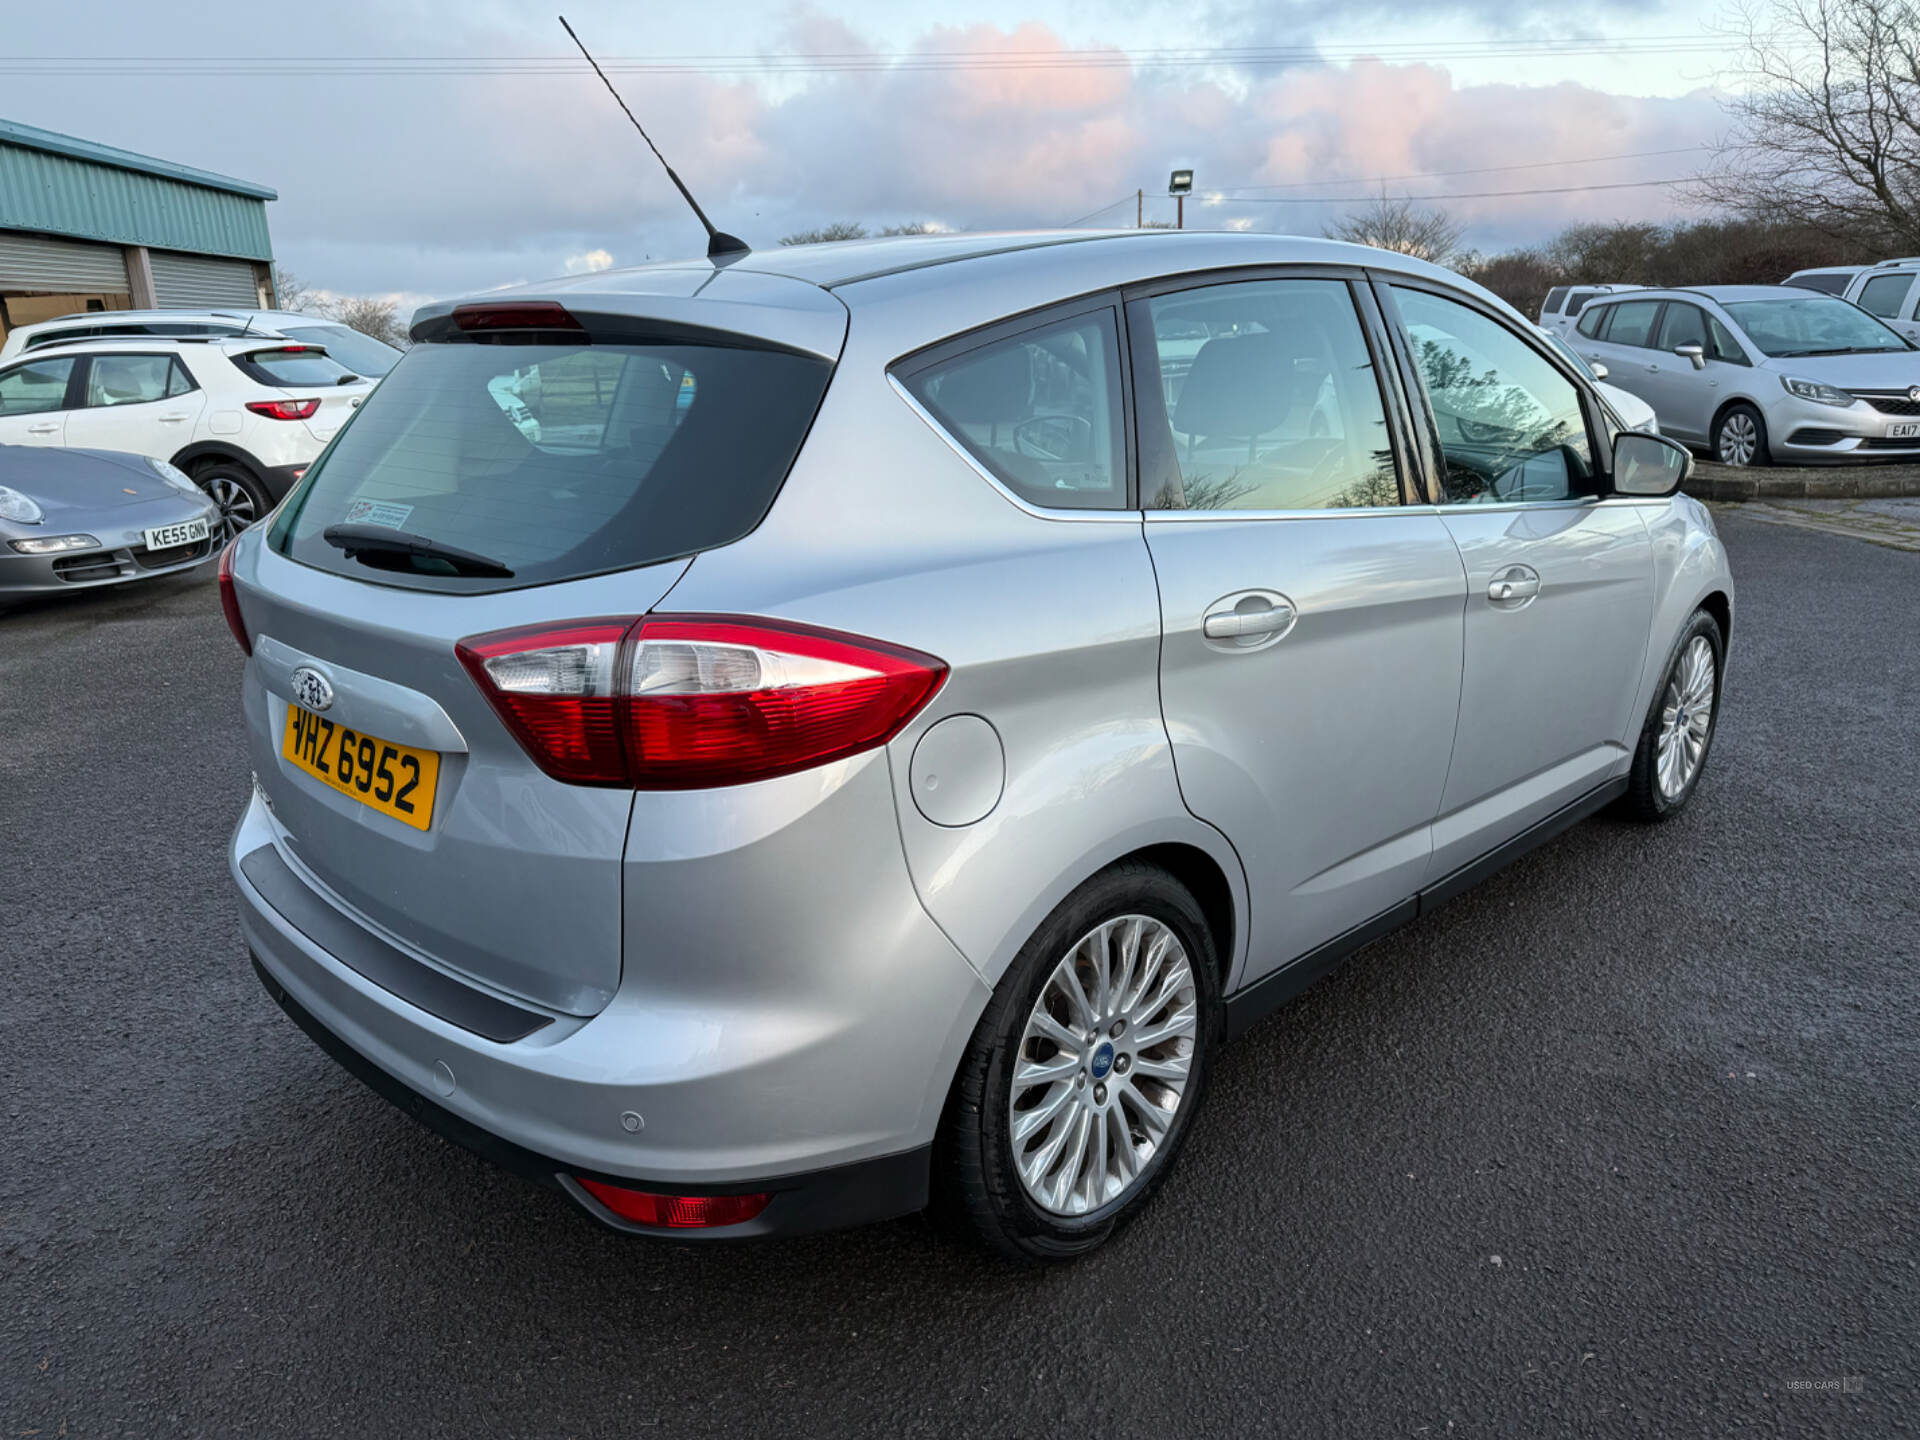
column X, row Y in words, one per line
column 54, row 544
column 1813, row 390
column 18, row 508
column 176, row 477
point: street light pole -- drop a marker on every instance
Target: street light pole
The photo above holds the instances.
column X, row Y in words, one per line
column 1180, row 185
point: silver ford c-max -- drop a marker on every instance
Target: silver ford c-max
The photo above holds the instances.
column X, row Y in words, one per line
column 861, row 725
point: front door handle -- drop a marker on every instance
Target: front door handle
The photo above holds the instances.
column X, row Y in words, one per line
column 1253, row 619
column 172, row 419
column 1514, row 586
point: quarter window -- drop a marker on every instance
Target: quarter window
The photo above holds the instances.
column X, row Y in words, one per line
column 1883, row 294
column 1040, row 410
column 1594, row 321
column 128, row 379
column 1554, row 297
column 1510, row 425
column 30, row 389
column 1270, row 400
column 1725, row 347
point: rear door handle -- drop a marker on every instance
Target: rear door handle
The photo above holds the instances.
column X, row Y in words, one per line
column 1254, row 618
column 1514, row 586
column 172, row 419
column 43, row 429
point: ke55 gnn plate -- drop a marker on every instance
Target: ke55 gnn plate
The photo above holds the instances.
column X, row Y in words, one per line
column 165, row 537
column 396, row 780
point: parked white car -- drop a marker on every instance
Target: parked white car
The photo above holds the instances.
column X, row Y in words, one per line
column 1827, row 279
column 1887, row 290
column 360, row 353
column 244, row 418
column 1565, row 302
column 1629, row 409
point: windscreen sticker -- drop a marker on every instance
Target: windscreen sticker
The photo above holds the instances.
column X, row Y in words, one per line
column 378, row 512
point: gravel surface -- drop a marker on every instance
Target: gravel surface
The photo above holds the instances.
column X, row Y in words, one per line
column 1624, row 1141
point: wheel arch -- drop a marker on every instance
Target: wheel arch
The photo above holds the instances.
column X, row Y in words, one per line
column 1719, row 604
column 1206, row 880
column 202, row 451
column 1713, row 425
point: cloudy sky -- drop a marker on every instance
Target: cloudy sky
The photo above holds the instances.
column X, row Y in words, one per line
column 425, row 147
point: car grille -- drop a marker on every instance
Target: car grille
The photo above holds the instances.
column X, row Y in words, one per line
column 94, row 565
column 1890, row 402
column 172, row 555
column 1881, row 442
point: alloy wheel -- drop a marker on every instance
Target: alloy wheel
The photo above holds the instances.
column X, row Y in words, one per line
column 237, row 508
column 1739, row 439
column 1103, row 1064
column 1686, row 718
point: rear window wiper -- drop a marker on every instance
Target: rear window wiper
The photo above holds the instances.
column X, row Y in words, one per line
column 361, row 542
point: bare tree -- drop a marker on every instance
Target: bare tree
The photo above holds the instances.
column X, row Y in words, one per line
column 1826, row 121
column 839, row 230
column 371, row 316
column 291, row 292
column 1400, row 226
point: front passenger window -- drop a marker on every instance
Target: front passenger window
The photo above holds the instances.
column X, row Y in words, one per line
column 35, row 387
column 1684, row 325
column 1510, row 425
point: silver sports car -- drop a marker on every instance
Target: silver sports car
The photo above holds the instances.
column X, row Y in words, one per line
column 71, row 518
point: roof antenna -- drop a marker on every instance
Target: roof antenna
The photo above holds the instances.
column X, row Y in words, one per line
column 719, row 243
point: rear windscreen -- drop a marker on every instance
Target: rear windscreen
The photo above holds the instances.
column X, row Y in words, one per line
column 553, row 461
column 293, row 368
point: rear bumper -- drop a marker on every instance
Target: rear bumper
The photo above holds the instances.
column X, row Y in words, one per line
column 831, row 1199
column 806, row 1080
column 279, row 479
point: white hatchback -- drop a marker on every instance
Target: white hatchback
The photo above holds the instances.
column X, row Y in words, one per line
column 243, row 417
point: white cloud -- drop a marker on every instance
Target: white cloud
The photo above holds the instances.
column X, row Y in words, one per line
column 588, row 261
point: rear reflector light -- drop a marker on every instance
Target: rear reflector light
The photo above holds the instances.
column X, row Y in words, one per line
column 533, row 315
column 230, row 601
column 284, row 409
column 683, row 702
column 675, row 1212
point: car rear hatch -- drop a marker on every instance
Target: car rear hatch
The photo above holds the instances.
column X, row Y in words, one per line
column 446, row 514
column 310, row 386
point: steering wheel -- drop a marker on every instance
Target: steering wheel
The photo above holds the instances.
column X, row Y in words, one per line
column 1080, row 429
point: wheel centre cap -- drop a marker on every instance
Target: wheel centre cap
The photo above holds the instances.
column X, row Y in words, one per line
column 1101, row 1062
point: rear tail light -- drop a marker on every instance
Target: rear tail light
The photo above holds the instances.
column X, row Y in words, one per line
column 675, row 1212
column 230, row 601
column 284, row 409
column 682, row 702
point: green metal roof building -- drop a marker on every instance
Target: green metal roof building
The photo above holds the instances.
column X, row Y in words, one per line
column 89, row 227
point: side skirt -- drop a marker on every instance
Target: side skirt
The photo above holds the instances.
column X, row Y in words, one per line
column 1255, row 1002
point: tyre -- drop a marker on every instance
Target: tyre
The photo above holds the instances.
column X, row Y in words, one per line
column 1083, row 1076
column 239, row 493
column 1675, row 741
column 1740, row 437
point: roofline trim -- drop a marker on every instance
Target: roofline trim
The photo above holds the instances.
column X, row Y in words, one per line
column 51, row 142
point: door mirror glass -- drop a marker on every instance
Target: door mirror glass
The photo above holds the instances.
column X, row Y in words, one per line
column 1649, row 464
column 1696, row 353
column 1596, row 369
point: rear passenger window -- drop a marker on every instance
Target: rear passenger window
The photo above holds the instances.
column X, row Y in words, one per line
column 1883, row 294
column 1633, row 323
column 1040, row 410
column 128, row 379
column 34, row 388
column 1510, row 425
column 1270, row 400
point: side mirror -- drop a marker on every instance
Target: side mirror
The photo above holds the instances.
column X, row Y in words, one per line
column 1649, row 465
column 1697, row 354
column 1599, row 370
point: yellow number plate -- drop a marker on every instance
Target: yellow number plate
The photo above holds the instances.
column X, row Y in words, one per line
column 396, row 780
